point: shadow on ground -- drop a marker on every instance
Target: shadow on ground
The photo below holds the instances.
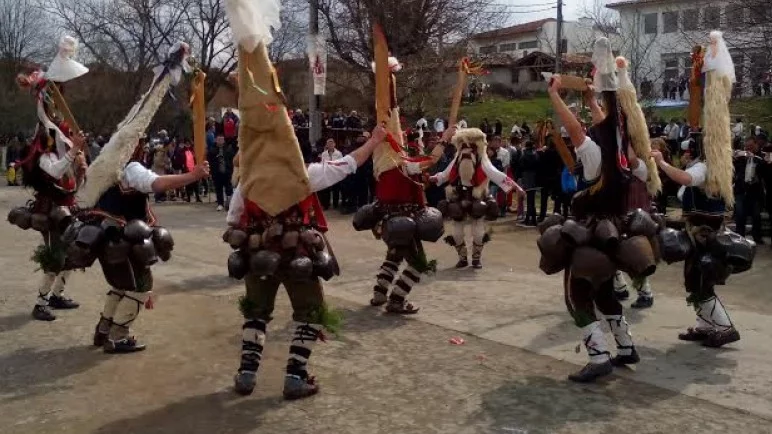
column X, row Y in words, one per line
column 206, row 414
column 31, row 371
column 15, row 321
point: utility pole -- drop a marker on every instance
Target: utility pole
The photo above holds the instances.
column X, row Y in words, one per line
column 315, row 101
column 559, row 48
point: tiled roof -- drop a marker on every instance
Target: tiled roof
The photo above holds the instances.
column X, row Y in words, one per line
column 531, row 27
column 625, row 3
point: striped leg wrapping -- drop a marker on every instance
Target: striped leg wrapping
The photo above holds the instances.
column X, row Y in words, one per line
column 252, row 342
column 405, row 283
column 112, row 299
column 45, row 288
column 59, row 283
column 621, row 331
column 385, row 276
column 306, row 334
column 477, row 251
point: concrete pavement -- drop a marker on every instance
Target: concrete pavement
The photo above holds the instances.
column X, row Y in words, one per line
column 384, row 374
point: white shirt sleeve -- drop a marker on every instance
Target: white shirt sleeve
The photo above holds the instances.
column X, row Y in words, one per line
column 54, row 166
column 497, row 177
column 589, row 154
column 137, row 177
column 698, row 172
column 641, row 172
column 329, row 173
column 236, row 208
column 443, row 176
column 503, row 156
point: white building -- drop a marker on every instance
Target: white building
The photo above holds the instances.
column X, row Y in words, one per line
column 520, row 40
column 515, row 56
column 658, row 35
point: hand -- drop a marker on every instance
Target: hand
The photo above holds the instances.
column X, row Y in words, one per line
column 78, row 142
column 379, row 134
column 555, row 84
column 447, row 136
column 657, row 156
column 434, row 180
column 589, row 94
column 201, row 171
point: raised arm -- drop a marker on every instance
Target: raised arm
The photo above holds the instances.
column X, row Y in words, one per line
column 56, row 168
column 681, row 177
column 595, row 109
column 569, row 121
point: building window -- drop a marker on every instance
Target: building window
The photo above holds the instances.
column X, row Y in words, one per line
column 528, row 44
column 503, row 48
column 690, row 18
column 650, row 24
column 735, row 17
column 670, row 66
column 711, row 18
column 669, row 22
column 488, row 49
column 687, row 65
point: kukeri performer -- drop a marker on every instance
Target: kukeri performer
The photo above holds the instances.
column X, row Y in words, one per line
column 468, row 177
column 54, row 167
column 711, row 252
column 399, row 216
column 276, row 224
column 116, row 225
column 601, row 238
column 645, row 182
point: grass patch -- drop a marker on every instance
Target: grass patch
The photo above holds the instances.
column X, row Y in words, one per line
column 756, row 111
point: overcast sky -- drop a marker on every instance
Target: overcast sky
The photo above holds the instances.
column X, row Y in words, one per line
column 522, row 11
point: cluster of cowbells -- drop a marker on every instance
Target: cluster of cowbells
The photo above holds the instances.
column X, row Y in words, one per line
column 718, row 254
column 113, row 243
column 55, row 221
column 301, row 254
column 595, row 249
column 401, row 231
column 476, row 209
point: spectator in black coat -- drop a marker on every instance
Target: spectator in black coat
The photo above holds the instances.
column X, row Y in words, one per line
column 529, row 169
column 551, row 167
column 749, row 169
column 221, row 167
column 498, row 128
column 354, row 122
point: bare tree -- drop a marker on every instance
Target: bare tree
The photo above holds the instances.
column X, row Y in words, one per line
column 421, row 33
column 24, row 33
column 290, row 39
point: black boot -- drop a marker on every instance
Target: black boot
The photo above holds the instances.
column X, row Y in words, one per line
column 716, row 338
column 694, row 334
column 297, row 388
column 123, row 346
column 624, row 360
column 42, row 313
column 643, row 302
column 462, row 263
column 58, row 302
column 244, row 382
column 591, row 372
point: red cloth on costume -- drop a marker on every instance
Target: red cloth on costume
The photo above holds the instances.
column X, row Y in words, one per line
column 396, row 188
column 478, row 178
column 309, row 208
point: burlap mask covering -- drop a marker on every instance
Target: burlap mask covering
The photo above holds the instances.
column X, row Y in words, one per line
column 273, row 174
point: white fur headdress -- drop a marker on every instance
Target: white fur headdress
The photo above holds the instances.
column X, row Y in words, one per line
column 251, row 21
column 107, row 169
column 64, row 67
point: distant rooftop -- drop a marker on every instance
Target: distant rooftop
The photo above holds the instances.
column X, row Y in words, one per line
column 626, row 3
column 530, row 27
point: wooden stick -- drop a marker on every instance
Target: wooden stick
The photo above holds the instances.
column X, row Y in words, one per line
column 63, row 108
column 458, row 93
column 382, row 74
column 197, row 102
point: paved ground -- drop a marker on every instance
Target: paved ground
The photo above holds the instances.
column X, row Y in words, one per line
column 384, row 374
